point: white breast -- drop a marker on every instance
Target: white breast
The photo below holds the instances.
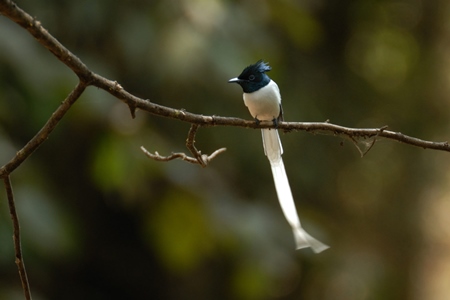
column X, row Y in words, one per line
column 264, row 104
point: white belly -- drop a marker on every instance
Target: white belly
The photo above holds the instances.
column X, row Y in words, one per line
column 264, row 104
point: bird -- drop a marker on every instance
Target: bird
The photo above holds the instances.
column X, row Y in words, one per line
column 263, row 99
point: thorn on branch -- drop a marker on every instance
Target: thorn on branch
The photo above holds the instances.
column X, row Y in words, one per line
column 117, row 86
column 132, row 107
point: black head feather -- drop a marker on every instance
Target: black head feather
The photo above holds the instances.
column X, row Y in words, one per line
column 259, row 67
column 253, row 77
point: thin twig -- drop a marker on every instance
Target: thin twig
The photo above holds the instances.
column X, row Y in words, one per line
column 355, row 143
column 190, row 144
column 44, row 133
column 16, row 238
column 332, row 129
column 182, row 156
column 199, row 158
column 374, row 140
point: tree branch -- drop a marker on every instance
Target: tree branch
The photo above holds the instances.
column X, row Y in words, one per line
column 190, row 144
column 312, row 127
column 44, row 133
column 365, row 133
column 87, row 78
column 199, row 158
column 16, row 238
column 10, row 10
column 182, row 156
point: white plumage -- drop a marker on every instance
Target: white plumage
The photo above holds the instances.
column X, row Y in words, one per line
column 264, row 105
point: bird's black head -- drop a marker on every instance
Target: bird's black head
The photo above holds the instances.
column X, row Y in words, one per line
column 253, row 77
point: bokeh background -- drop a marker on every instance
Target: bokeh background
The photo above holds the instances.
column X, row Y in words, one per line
column 101, row 221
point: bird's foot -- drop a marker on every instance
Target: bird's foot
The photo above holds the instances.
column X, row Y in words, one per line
column 275, row 122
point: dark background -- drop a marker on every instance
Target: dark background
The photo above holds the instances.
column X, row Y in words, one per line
column 102, row 221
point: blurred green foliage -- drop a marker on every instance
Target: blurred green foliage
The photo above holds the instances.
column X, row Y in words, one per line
column 102, row 221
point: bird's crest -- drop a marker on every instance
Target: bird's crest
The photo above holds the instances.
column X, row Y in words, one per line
column 259, row 67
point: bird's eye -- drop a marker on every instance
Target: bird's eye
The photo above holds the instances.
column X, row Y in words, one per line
column 251, row 77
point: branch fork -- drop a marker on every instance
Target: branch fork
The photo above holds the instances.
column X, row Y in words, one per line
column 198, row 157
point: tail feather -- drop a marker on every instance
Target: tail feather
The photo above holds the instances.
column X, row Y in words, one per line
column 273, row 151
column 304, row 240
column 272, row 144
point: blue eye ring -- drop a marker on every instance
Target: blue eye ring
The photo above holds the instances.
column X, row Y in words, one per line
column 251, row 77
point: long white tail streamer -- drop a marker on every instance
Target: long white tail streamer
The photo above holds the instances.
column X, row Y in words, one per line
column 273, row 151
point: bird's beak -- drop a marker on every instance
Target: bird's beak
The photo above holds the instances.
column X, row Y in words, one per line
column 235, row 79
